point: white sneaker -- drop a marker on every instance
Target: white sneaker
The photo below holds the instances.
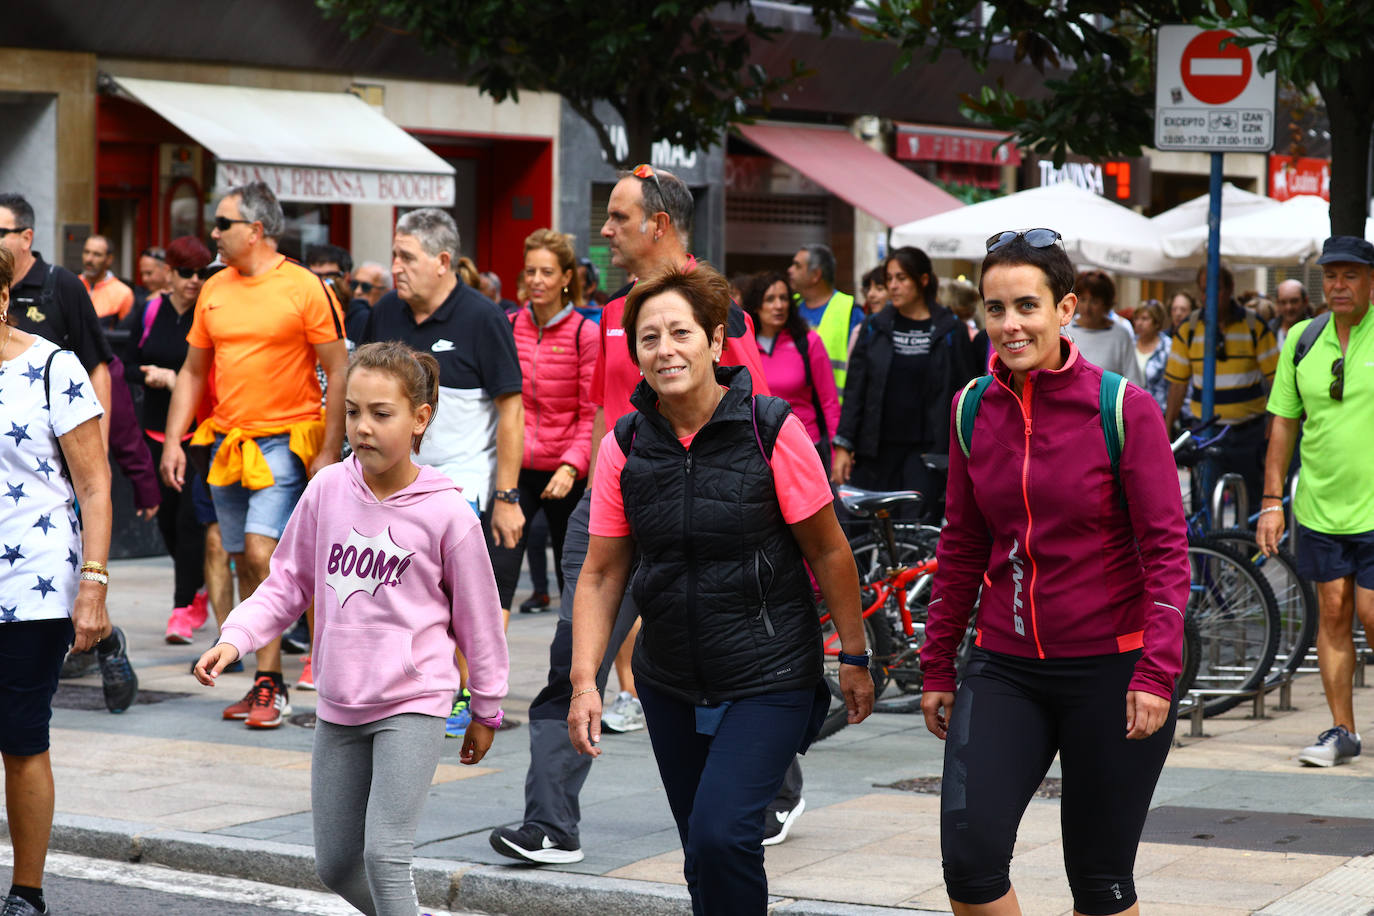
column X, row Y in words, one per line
column 777, row 824
column 1334, row 747
column 624, row 715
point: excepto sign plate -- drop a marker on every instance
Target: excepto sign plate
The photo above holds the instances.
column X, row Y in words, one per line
column 1209, row 94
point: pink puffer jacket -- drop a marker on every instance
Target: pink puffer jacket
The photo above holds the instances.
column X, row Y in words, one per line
column 556, row 363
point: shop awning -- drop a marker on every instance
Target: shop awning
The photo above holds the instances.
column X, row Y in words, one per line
column 853, row 172
column 320, row 147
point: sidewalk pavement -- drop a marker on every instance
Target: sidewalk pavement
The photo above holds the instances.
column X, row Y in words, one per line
column 1237, row 826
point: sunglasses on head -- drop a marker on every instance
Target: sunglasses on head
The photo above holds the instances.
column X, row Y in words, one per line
column 187, row 273
column 157, row 254
column 644, row 170
column 1036, row 238
column 365, row 288
column 224, row 223
column 1337, row 390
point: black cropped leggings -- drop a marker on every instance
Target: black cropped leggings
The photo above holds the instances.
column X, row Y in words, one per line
column 1011, row 716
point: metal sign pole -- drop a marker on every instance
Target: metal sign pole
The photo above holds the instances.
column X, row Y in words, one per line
column 1209, row 358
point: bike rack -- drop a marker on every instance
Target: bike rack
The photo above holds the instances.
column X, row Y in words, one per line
column 1257, row 695
column 1236, row 484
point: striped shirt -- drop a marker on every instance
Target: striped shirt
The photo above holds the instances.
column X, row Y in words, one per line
column 1247, row 356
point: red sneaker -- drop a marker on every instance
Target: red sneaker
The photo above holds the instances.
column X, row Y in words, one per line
column 269, row 704
column 241, row 709
column 198, row 611
column 179, row 626
column 307, row 678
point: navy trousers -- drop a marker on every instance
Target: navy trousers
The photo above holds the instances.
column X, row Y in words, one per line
column 719, row 786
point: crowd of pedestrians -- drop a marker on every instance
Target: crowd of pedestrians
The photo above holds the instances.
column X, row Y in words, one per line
column 370, row 453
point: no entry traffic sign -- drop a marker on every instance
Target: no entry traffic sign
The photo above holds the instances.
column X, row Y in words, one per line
column 1209, row 94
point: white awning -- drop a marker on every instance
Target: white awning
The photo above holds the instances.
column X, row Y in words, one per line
column 320, row 147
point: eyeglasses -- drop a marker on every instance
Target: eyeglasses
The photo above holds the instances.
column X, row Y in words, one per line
column 187, row 273
column 645, row 170
column 157, row 254
column 4, row 231
column 330, row 274
column 1337, row 389
column 1036, row 238
column 224, row 223
column 365, row 288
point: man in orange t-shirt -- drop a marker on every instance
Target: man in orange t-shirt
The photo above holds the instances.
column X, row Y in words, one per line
column 261, row 325
column 111, row 296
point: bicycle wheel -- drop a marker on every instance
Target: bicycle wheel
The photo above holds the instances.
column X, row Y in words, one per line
column 1237, row 619
column 875, row 632
column 1296, row 600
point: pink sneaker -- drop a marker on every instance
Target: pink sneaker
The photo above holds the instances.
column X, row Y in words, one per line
column 307, row 679
column 198, row 611
column 179, row 626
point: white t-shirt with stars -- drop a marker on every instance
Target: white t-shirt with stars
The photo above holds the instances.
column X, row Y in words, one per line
column 40, row 543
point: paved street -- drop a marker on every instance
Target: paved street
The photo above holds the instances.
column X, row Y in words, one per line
column 1238, row 827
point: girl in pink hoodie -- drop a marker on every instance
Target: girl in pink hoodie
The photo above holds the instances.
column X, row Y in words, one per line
column 397, row 566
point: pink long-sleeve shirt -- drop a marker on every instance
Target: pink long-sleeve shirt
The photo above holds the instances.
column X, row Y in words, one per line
column 398, row 584
column 787, row 379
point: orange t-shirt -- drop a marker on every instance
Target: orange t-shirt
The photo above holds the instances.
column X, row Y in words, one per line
column 263, row 332
column 111, row 296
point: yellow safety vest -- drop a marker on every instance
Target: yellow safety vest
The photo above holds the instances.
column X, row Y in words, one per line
column 834, row 334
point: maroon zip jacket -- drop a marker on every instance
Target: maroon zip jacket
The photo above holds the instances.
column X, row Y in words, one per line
column 1070, row 571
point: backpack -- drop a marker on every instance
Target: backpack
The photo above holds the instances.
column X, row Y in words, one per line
column 1309, row 336
column 1111, row 399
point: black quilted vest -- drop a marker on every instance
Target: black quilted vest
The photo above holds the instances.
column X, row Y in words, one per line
column 726, row 601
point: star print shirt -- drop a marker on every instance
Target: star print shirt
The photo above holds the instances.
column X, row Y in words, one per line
column 40, row 543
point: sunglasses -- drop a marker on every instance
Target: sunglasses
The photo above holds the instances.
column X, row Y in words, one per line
column 1036, row 238
column 365, row 288
column 187, row 273
column 224, row 223
column 1337, row 389
column 4, row 231
column 157, row 254
column 644, row 170
column 331, row 275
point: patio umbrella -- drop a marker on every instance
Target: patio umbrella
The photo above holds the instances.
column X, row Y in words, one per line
column 1290, row 232
column 1096, row 231
column 1193, row 214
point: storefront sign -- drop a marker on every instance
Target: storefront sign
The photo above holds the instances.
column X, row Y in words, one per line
column 340, row 186
column 766, row 175
column 663, row 154
column 1126, row 181
column 928, row 144
column 1290, row 176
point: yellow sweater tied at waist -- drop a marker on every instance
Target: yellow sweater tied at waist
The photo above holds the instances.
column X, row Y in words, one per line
column 240, row 460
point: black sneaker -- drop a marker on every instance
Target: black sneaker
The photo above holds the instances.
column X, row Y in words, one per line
column 78, row 664
column 777, row 823
column 117, row 675
column 297, row 639
column 539, row 601
column 530, row 844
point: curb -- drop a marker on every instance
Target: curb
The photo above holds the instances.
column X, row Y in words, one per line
column 443, row 883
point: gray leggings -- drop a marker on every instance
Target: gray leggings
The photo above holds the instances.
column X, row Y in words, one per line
column 367, row 786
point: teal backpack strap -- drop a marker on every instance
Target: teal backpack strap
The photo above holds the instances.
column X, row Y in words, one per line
column 1112, row 403
column 967, row 410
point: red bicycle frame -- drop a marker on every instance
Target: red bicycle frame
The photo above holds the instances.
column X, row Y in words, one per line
column 895, row 582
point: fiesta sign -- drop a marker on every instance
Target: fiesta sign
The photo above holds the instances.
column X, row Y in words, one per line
column 340, row 186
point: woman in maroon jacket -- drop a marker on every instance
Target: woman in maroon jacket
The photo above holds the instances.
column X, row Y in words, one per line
column 1080, row 620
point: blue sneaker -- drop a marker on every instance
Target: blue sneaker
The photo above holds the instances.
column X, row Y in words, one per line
column 1334, row 746
column 456, row 726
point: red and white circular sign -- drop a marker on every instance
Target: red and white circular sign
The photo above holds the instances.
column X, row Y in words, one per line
column 1214, row 74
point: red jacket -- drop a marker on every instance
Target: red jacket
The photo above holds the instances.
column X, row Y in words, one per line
column 1070, row 571
column 556, row 364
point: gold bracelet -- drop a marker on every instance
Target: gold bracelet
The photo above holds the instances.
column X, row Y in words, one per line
column 93, row 566
column 581, row 692
column 570, row 469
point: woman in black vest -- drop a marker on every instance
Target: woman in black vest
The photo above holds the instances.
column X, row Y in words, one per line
column 721, row 496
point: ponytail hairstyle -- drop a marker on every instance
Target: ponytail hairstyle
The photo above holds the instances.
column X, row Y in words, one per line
column 418, row 374
column 467, row 272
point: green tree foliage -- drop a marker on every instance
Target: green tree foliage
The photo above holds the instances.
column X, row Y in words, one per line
column 669, row 70
column 1098, row 58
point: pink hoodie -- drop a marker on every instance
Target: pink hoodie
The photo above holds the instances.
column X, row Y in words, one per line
column 397, row 586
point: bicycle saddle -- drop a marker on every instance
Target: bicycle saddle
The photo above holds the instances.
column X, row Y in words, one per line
column 865, row 503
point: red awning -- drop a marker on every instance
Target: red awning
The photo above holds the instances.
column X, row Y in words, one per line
column 853, row 172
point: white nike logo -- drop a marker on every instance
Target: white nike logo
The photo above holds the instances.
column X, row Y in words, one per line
column 442, row 346
column 780, row 815
column 549, row 844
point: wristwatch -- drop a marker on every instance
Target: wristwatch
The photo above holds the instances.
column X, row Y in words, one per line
column 861, row 661
column 507, row 496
